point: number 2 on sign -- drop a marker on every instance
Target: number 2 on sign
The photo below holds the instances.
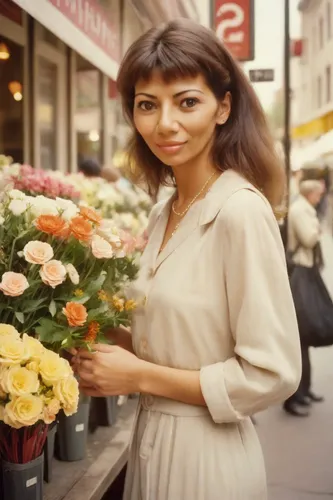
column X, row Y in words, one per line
column 235, row 22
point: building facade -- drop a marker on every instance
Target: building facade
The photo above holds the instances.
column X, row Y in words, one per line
column 312, row 72
column 58, row 65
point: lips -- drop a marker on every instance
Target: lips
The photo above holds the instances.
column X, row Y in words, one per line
column 171, row 147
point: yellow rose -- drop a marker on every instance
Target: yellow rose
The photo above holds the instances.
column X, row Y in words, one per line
column 8, row 330
column 51, row 410
column 23, row 411
column 53, row 368
column 18, row 381
column 36, row 349
column 33, row 366
column 67, row 391
column 13, row 351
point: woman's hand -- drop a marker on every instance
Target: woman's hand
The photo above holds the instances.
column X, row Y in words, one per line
column 108, row 371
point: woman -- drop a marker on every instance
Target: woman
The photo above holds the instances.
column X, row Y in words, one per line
column 304, row 245
column 215, row 336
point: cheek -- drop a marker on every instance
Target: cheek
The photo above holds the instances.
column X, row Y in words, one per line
column 145, row 125
column 201, row 124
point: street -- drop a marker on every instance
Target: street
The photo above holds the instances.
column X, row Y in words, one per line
column 299, row 451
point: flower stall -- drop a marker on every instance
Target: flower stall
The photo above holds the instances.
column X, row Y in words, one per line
column 63, row 275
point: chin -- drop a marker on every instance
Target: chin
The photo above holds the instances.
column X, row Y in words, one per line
column 174, row 160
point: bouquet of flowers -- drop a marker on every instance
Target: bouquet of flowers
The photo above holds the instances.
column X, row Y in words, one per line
column 35, row 384
column 63, row 270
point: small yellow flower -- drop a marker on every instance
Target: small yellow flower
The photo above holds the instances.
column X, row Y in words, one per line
column 103, row 296
column 130, row 305
column 78, row 292
column 118, row 303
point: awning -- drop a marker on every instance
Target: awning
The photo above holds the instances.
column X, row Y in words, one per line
column 84, row 26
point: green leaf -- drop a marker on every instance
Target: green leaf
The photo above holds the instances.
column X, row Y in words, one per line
column 95, row 313
column 33, row 305
column 20, row 317
column 53, row 308
column 96, row 285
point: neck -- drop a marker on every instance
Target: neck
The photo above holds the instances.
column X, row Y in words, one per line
column 190, row 177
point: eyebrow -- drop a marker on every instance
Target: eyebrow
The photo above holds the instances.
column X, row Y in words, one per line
column 178, row 94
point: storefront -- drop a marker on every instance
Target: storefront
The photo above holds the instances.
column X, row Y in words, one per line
column 58, row 63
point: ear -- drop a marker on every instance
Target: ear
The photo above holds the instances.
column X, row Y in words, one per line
column 224, row 109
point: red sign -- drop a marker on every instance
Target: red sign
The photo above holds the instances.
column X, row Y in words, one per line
column 10, row 10
column 296, row 48
column 93, row 20
column 234, row 24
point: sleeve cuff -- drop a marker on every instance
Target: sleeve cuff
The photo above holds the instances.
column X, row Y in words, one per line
column 214, row 391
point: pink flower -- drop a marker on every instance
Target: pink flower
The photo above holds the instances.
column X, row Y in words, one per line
column 53, row 273
column 37, row 252
column 13, row 284
column 129, row 243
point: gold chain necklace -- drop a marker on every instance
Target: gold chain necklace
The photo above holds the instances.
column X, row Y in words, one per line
column 181, row 214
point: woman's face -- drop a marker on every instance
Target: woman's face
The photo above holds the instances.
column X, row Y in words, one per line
column 177, row 120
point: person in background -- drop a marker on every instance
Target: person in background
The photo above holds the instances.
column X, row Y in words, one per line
column 110, row 174
column 90, row 167
column 303, row 236
column 295, row 179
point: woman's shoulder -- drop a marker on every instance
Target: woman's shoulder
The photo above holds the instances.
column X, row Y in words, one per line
column 246, row 206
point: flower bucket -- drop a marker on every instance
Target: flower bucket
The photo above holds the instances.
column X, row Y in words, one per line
column 72, row 432
column 49, row 453
column 103, row 412
column 23, row 481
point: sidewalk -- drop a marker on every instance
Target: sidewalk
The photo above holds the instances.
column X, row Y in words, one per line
column 299, row 452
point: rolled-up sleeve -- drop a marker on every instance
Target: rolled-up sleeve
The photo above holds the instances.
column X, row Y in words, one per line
column 266, row 366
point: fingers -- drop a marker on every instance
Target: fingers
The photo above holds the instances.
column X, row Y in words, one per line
column 105, row 348
column 90, row 391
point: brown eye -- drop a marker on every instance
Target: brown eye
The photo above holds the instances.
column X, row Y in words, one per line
column 146, row 105
column 189, row 102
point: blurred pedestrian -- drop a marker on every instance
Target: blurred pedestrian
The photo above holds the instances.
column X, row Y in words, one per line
column 90, row 167
column 304, row 237
column 215, row 336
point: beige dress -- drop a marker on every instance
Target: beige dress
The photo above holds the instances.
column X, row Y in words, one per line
column 216, row 299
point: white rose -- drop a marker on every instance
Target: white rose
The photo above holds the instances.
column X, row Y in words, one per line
column 73, row 274
column 109, row 231
column 15, row 194
column 17, row 207
column 43, row 206
column 67, row 207
column 101, row 248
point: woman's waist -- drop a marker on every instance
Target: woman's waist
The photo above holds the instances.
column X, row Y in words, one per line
column 171, row 407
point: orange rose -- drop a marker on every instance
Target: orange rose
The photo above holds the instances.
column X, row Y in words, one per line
column 76, row 314
column 81, row 229
column 90, row 214
column 51, row 224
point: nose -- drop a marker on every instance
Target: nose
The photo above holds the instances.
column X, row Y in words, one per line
column 167, row 122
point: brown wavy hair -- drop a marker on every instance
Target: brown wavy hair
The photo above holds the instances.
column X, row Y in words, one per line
column 182, row 48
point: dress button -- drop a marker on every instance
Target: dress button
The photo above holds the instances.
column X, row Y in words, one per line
column 151, row 272
column 144, row 344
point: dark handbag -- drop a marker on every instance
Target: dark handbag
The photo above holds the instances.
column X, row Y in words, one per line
column 314, row 306
column 290, row 259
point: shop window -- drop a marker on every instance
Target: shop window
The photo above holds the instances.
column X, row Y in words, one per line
column 329, row 19
column 88, row 115
column 11, row 101
column 328, row 83
column 321, row 33
column 46, row 110
column 319, row 92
